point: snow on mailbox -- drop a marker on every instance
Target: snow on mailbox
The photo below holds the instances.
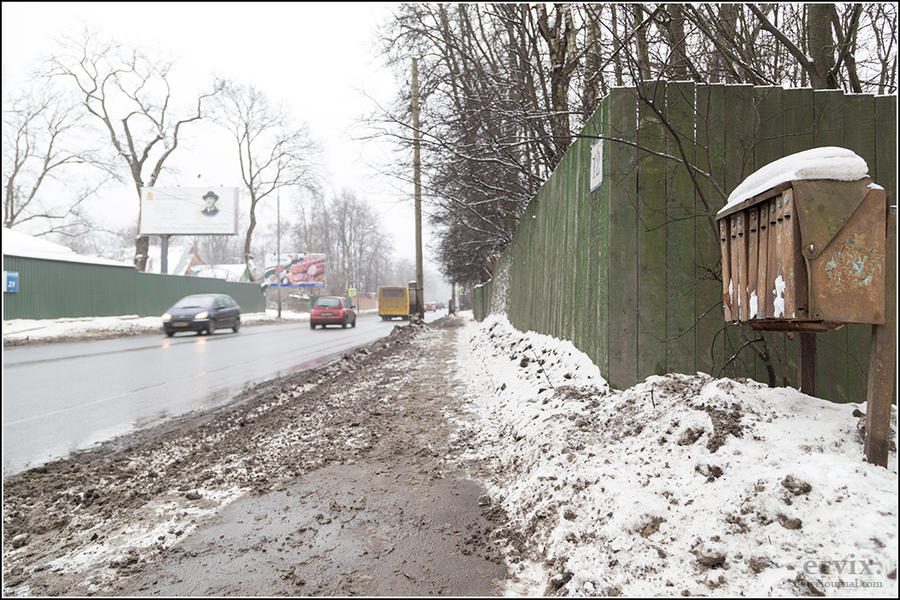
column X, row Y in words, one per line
column 803, row 243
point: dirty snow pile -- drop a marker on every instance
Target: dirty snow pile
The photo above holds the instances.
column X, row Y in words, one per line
column 682, row 484
column 49, row 329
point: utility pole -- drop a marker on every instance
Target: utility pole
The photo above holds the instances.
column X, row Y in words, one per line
column 417, row 178
column 278, row 247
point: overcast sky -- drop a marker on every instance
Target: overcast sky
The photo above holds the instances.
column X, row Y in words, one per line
column 319, row 59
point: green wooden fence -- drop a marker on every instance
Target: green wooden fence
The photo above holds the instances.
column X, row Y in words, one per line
column 629, row 271
column 50, row 289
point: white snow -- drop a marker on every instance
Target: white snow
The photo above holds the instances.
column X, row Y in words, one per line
column 627, row 491
column 228, row 272
column 780, row 287
column 16, row 243
column 828, row 162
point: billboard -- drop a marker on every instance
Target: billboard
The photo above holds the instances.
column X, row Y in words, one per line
column 296, row 270
column 189, row 211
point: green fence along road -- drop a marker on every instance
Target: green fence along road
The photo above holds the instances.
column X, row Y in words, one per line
column 50, row 289
column 630, row 272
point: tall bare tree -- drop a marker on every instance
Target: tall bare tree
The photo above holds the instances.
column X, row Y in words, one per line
column 346, row 229
column 129, row 95
column 272, row 153
column 506, row 87
column 40, row 145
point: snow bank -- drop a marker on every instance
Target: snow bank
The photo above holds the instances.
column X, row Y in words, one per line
column 828, row 162
column 16, row 330
column 44, row 330
column 680, row 484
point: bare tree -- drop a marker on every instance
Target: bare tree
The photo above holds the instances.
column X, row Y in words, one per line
column 881, row 26
column 496, row 122
column 506, row 87
column 40, row 131
column 129, row 94
column 272, row 153
column 350, row 234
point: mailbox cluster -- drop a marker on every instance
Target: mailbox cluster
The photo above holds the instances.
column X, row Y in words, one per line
column 805, row 255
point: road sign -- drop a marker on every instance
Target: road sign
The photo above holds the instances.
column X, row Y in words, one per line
column 12, row 281
column 351, row 292
column 596, row 165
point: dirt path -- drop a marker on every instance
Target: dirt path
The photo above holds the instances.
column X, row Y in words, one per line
column 340, row 481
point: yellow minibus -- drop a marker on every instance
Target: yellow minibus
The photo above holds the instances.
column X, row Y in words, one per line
column 393, row 301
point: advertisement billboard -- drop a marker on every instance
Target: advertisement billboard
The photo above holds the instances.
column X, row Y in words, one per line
column 296, row 270
column 189, row 211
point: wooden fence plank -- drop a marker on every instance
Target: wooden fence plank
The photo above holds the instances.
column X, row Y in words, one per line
column 709, row 148
column 739, row 141
column 680, row 282
column 542, row 276
column 769, row 147
column 799, row 135
column 859, row 136
column 885, row 172
column 573, row 230
column 530, row 279
column 564, row 293
column 582, row 323
column 831, row 346
column 622, row 337
column 551, row 239
column 651, row 183
column 600, row 245
column 546, row 272
column 588, row 260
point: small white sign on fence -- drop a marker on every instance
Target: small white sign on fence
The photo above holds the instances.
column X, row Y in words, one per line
column 596, row 165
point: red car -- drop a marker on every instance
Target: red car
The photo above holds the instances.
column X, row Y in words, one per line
column 332, row 310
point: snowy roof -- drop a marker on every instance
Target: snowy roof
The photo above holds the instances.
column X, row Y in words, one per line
column 180, row 257
column 16, row 243
column 828, row 162
column 230, row 272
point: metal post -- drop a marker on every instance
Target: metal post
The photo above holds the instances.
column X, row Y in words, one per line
column 164, row 254
column 881, row 362
column 807, row 363
column 420, row 304
column 278, row 247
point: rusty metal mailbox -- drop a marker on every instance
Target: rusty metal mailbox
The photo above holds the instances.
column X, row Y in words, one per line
column 805, row 255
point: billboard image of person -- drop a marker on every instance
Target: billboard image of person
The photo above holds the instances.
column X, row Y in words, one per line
column 189, row 211
column 210, row 210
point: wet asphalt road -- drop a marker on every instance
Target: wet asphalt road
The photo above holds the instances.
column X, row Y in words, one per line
column 62, row 397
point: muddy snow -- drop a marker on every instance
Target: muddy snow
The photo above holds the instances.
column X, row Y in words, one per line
column 335, row 481
column 683, row 484
column 467, row 458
